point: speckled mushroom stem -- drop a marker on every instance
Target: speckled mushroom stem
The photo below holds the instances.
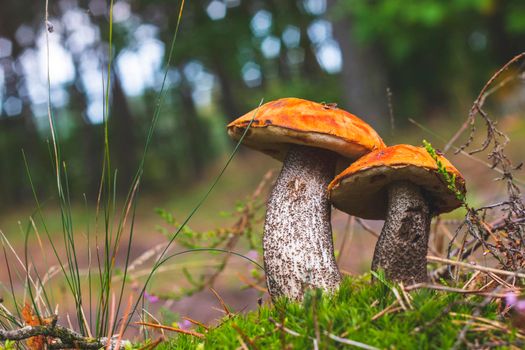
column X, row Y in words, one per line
column 297, row 241
column 402, row 246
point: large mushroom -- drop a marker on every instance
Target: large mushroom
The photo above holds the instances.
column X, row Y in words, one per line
column 402, row 185
column 309, row 138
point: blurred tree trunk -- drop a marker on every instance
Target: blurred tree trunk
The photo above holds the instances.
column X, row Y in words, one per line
column 20, row 131
column 89, row 134
column 20, row 134
column 310, row 67
column 502, row 45
column 195, row 133
column 91, row 142
column 228, row 103
column 122, row 141
column 363, row 79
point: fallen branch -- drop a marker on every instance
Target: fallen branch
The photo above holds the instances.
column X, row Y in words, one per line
column 350, row 342
column 389, row 309
column 454, row 290
column 168, row 328
column 476, row 267
column 197, row 323
column 487, row 322
column 62, row 338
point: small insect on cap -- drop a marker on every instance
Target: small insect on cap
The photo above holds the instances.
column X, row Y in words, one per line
column 279, row 123
column 362, row 189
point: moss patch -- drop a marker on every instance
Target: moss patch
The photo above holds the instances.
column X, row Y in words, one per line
column 433, row 322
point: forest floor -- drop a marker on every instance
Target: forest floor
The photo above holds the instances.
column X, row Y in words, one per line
column 239, row 181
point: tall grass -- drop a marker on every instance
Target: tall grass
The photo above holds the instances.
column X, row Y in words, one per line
column 104, row 297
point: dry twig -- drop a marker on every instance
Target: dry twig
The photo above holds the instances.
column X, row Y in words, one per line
column 172, row 329
column 61, row 337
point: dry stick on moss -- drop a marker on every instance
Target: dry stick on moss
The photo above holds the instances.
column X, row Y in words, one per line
column 172, row 329
column 498, row 325
column 388, row 310
column 453, row 290
column 62, row 337
column 197, row 323
column 475, row 267
column 350, row 342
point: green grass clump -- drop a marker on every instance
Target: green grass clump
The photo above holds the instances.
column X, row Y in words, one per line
column 348, row 314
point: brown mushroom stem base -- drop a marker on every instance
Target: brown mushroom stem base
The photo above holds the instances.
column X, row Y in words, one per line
column 297, row 241
column 402, row 246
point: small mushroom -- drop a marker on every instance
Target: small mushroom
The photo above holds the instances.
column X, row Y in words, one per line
column 309, row 138
column 400, row 184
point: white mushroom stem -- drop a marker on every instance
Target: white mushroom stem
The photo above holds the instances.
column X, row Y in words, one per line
column 297, row 241
column 402, row 246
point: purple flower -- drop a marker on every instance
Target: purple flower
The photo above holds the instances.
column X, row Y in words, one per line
column 152, row 299
column 185, row 324
column 511, row 298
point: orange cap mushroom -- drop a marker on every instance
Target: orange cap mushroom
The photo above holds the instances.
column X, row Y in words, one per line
column 402, row 185
column 310, row 138
column 277, row 124
column 361, row 189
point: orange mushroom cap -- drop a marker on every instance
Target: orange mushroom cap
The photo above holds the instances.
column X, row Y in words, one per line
column 361, row 189
column 277, row 124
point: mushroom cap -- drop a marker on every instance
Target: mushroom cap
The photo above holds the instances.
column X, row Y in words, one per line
column 277, row 124
column 362, row 189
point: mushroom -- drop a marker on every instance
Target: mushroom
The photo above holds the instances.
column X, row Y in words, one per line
column 401, row 185
column 310, row 138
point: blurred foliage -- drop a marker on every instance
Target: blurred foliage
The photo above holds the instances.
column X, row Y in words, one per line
column 434, row 56
column 437, row 53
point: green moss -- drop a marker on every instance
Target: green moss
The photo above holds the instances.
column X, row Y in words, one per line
column 348, row 314
column 450, row 178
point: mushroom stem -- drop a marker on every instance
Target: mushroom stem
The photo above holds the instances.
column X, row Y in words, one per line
column 297, row 241
column 402, row 246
